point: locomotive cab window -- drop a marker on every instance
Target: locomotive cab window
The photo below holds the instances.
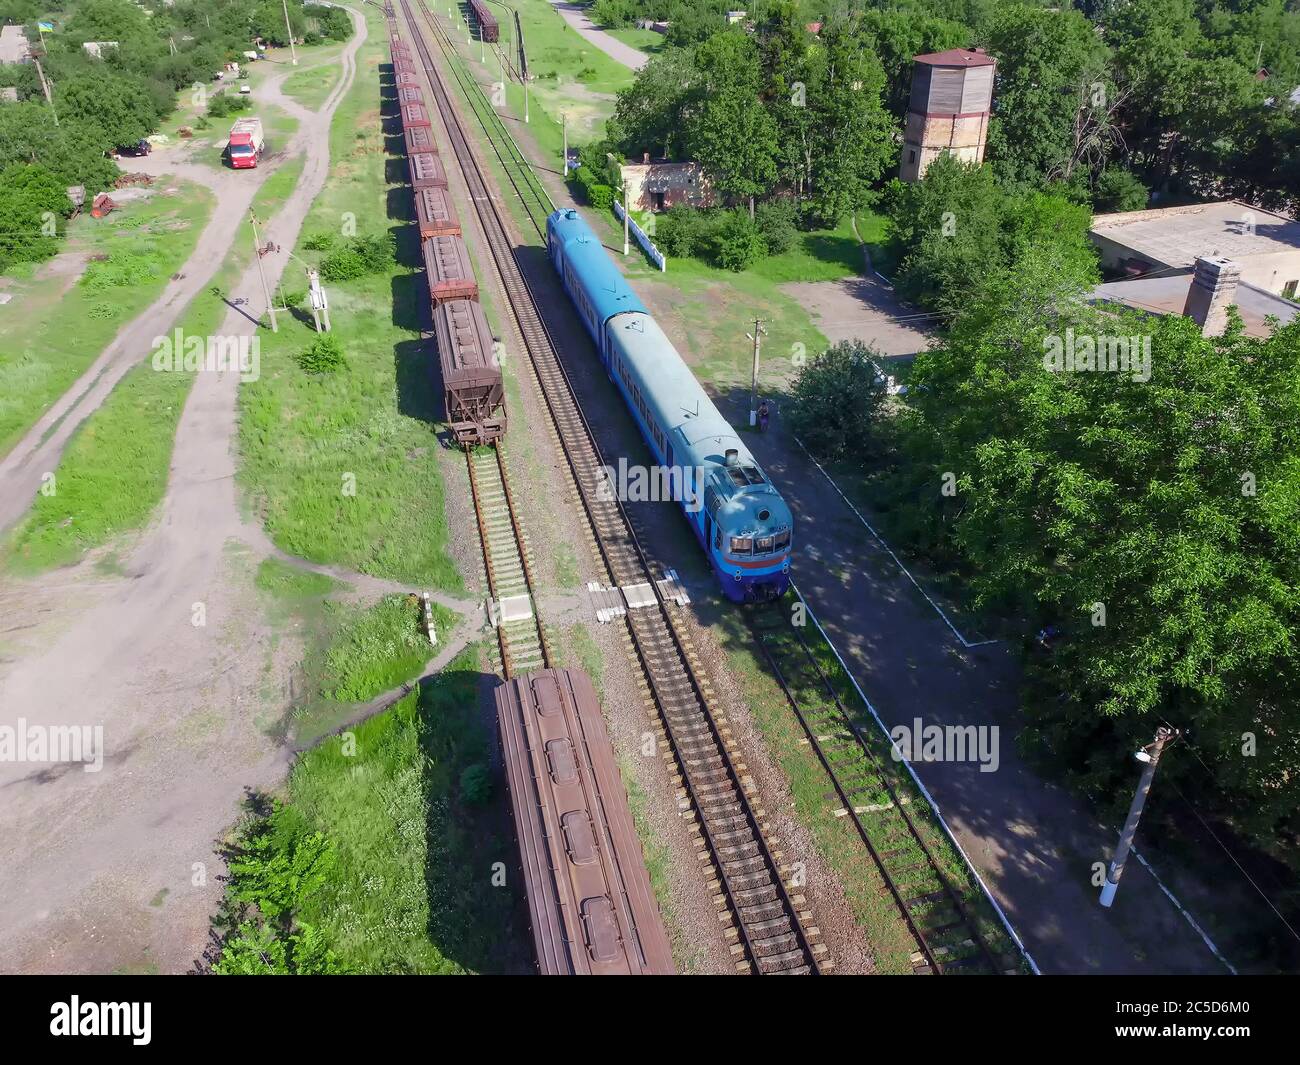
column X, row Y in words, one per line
column 782, row 540
column 764, row 545
column 742, row 545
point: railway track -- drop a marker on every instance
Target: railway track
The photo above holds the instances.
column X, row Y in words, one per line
column 947, row 932
column 520, row 633
column 772, row 929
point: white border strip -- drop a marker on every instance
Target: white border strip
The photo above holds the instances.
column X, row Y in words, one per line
column 1205, row 938
column 908, row 573
column 917, row 780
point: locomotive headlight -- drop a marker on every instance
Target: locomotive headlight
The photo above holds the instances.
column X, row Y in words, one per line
column 736, row 575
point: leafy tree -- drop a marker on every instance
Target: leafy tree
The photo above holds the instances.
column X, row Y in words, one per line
column 729, row 131
column 837, row 401
column 119, row 105
column 33, row 207
column 1048, row 62
column 945, row 231
column 649, row 116
column 1151, row 514
column 852, row 135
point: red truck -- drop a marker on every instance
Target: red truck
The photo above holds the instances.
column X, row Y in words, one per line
column 246, row 143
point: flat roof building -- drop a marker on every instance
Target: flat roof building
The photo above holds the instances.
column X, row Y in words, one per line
column 1266, row 245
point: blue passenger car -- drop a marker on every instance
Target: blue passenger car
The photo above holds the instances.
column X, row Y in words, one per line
column 738, row 516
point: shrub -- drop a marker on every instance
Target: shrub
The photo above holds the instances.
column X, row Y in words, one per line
column 1118, row 189
column 837, row 398
column 601, row 197
column 319, row 242
column 226, row 103
column 324, row 356
column 683, row 231
column 777, row 221
column 342, row 265
column 738, row 244
column 377, row 252
column 476, row 784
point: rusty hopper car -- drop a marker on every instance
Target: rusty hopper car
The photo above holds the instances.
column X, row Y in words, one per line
column 435, row 215
column 447, row 265
column 404, row 66
column 419, row 139
column 487, row 22
column 471, row 375
column 406, row 79
column 410, row 94
column 426, row 172
column 414, row 115
column 589, row 896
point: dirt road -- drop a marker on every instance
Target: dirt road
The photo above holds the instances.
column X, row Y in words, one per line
column 576, row 17
column 115, row 869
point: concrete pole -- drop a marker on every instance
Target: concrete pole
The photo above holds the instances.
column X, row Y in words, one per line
column 45, row 88
column 753, row 377
column 293, row 52
column 525, row 81
column 626, row 218
column 261, row 272
column 564, row 125
column 1152, row 753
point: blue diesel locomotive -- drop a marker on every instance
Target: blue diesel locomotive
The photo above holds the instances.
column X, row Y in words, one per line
column 740, row 519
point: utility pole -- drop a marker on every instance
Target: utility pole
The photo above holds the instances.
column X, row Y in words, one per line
column 261, row 272
column 623, row 189
column 755, row 336
column 1149, row 756
column 564, row 125
column 525, row 81
column 289, row 30
column 45, row 87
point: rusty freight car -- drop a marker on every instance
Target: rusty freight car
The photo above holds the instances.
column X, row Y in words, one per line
column 414, row 115
column 471, row 373
column 435, row 215
column 487, row 22
column 409, row 94
column 419, row 139
column 447, row 265
column 426, row 172
column 589, row 895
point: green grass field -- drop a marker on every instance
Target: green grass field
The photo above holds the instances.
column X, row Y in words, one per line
column 414, row 889
column 50, row 332
column 342, row 467
column 319, row 73
column 642, row 40
column 113, row 473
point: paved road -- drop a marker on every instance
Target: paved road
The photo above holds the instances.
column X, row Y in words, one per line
column 576, row 17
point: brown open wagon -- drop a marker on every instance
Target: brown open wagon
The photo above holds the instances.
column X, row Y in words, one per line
column 471, row 373
column 447, row 265
column 435, row 214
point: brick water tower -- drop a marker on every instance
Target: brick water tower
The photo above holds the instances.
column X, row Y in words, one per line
column 952, row 94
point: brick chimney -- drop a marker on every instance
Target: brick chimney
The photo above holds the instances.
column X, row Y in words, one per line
column 1214, row 287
